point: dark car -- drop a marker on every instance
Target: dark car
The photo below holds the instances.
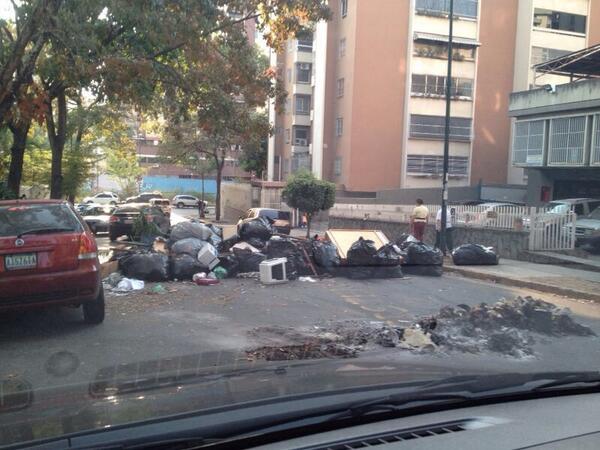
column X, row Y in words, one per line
column 122, row 220
column 279, row 219
column 144, row 197
column 97, row 217
column 48, row 257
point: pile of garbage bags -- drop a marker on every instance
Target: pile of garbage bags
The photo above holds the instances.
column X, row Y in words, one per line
column 419, row 258
column 474, row 255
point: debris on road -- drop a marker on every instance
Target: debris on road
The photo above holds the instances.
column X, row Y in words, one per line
column 474, row 255
column 308, row 279
column 145, row 266
column 129, row 284
column 420, row 258
column 203, row 279
column 273, row 271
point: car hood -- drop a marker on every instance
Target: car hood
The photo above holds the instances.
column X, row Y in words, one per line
column 588, row 223
column 190, row 383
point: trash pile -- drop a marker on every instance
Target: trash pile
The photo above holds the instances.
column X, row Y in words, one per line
column 507, row 327
column 474, row 255
column 419, row 258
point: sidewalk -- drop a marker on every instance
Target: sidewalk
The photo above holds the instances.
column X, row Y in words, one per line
column 578, row 284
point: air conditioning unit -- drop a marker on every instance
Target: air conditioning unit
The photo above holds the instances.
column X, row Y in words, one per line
column 304, row 66
column 301, row 142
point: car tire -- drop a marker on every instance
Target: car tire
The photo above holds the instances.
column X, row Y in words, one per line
column 113, row 203
column 180, row 205
column 93, row 311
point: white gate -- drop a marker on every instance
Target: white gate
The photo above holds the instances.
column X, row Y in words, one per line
column 549, row 231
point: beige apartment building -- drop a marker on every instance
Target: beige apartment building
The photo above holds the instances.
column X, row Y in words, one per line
column 366, row 91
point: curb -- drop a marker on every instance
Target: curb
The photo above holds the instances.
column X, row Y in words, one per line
column 516, row 282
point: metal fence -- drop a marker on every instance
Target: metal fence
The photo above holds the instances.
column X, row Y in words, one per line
column 552, row 231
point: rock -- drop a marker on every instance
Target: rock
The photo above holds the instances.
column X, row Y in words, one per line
column 386, row 337
column 414, row 338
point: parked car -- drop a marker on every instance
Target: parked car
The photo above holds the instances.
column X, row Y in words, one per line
column 587, row 227
column 488, row 215
column 185, row 201
column 163, row 204
column 581, row 206
column 122, row 219
column 103, row 198
column 97, row 217
column 279, row 219
column 48, row 257
column 144, row 197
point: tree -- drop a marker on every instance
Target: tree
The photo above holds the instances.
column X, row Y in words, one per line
column 308, row 194
column 124, row 167
column 254, row 152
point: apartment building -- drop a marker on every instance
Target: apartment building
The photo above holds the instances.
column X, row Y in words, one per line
column 367, row 94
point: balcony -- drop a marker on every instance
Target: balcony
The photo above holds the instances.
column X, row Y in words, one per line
column 300, row 149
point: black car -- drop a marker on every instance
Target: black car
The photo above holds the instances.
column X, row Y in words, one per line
column 123, row 218
column 144, row 197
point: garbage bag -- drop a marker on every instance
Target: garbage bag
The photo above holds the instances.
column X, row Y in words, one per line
column 185, row 230
column 226, row 244
column 184, row 266
column 419, row 254
column 424, row 270
column 248, row 261
column 230, row 263
column 405, row 240
column 188, row 246
column 256, row 228
column 277, row 247
column 145, row 266
column 216, row 230
column 387, row 256
column 215, row 240
column 474, row 255
column 256, row 243
column 367, row 272
column 325, row 254
column 362, row 253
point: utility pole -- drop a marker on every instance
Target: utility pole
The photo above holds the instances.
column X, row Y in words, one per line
column 447, row 131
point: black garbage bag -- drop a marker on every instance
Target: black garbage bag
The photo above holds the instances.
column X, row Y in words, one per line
column 474, row 255
column 230, row 263
column 388, row 256
column 226, row 244
column 420, row 254
column 216, row 230
column 215, row 240
column 248, row 260
column 184, row 266
column 185, row 230
column 424, row 270
column 405, row 240
column 188, row 246
column 145, row 266
column 325, row 254
column 367, row 272
column 362, row 253
column 286, row 248
column 256, row 228
column 257, row 243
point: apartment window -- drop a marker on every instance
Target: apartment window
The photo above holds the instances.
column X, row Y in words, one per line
column 342, row 49
column 303, row 72
column 305, row 41
column 301, row 136
column 340, row 87
column 528, row 143
column 287, row 135
column 463, row 8
column 559, row 20
column 289, row 75
column 434, row 85
column 540, row 55
column 567, row 140
column 337, row 166
column 339, row 126
column 433, row 127
column 302, row 161
column 302, row 104
column 458, row 166
column 344, row 8
column 595, row 160
column 439, row 50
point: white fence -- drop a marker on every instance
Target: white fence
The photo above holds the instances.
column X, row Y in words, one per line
column 552, row 231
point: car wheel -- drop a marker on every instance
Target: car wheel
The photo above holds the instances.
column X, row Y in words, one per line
column 180, row 205
column 93, row 312
column 113, row 203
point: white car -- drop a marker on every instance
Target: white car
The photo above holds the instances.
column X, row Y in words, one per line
column 185, row 201
column 103, row 198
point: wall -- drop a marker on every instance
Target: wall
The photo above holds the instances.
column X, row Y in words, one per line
column 508, row 244
column 176, row 184
column 236, row 198
column 429, row 195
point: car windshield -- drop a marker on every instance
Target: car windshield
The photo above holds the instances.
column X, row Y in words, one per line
column 429, row 169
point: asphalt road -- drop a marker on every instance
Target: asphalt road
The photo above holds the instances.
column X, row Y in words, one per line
column 54, row 347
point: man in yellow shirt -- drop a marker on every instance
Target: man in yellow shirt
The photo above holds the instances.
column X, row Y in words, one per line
column 419, row 219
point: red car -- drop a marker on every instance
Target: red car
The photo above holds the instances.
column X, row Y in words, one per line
column 48, row 256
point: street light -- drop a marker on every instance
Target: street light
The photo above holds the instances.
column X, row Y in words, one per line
column 447, row 131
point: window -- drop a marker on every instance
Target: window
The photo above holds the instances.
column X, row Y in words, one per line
column 340, row 87
column 30, row 217
column 342, row 49
column 339, row 126
column 303, row 72
column 344, row 8
column 337, row 166
column 305, row 41
column 287, row 135
column 301, row 135
column 433, row 127
column 595, row 158
column 301, row 162
column 567, row 139
column 558, row 20
column 434, row 85
column 464, row 8
column 302, row 104
column 541, row 55
column 431, row 49
column 289, row 75
column 458, row 166
column 528, row 142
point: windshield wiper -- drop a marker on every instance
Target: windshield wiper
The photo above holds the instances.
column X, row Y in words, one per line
column 583, row 380
column 45, row 230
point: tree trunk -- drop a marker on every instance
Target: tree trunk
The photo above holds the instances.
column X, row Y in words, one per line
column 56, row 136
column 17, row 151
column 218, row 195
column 308, row 221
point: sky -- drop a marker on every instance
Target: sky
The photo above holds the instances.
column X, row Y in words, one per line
column 6, row 11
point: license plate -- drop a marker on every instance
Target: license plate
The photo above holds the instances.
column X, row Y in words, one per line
column 127, row 220
column 20, row 261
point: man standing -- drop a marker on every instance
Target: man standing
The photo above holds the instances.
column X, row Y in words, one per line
column 449, row 244
column 419, row 219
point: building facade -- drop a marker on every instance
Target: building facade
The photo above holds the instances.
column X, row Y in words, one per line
column 366, row 92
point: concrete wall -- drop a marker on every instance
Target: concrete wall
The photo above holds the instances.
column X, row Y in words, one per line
column 429, row 195
column 235, row 200
column 508, row 244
